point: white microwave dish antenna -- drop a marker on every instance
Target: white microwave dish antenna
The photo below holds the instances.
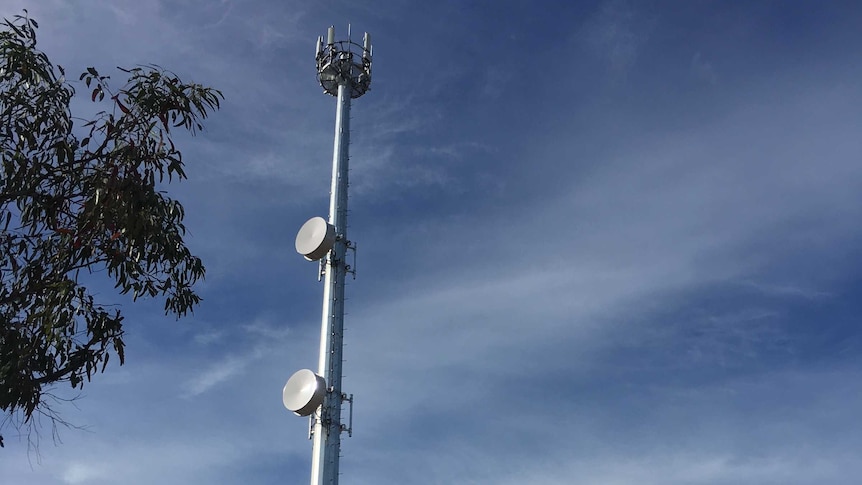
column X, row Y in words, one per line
column 315, row 238
column 303, row 392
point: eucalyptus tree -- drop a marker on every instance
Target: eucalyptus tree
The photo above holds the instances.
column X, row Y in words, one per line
column 82, row 197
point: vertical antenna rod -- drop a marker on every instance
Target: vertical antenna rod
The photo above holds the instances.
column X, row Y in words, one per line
column 344, row 71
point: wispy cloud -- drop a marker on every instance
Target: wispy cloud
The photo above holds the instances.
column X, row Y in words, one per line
column 787, row 290
column 84, row 473
column 617, row 32
column 624, row 283
column 208, row 337
column 702, row 69
column 215, row 375
column 258, row 340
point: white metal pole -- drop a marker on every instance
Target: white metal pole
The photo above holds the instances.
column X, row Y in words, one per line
column 327, row 425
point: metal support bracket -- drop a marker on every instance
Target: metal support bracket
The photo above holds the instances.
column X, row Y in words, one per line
column 312, row 420
column 321, row 272
column 349, row 427
column 351, row 268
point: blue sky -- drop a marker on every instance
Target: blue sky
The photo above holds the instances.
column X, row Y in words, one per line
column 603, row 242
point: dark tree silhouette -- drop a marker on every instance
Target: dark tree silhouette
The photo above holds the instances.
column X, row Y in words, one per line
column 70, row 206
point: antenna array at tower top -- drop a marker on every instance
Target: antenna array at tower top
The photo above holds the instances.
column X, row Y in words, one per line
column 344, row 62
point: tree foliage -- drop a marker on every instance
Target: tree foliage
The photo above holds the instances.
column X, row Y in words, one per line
column 72, row 206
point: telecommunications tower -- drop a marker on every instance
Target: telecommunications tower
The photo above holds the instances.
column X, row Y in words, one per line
column 344, row 71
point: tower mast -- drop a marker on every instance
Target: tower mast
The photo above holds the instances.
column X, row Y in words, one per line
column 344, row 71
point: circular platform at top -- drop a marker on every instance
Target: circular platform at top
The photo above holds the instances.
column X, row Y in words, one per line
column 344, row 63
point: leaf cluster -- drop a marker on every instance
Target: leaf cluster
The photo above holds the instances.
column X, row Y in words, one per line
column 91, row 204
